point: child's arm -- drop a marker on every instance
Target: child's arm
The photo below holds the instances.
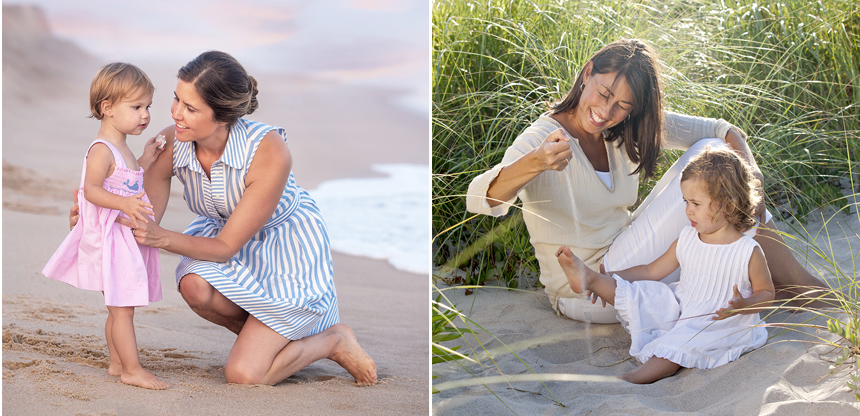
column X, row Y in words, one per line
column 656, row 270
column 762, row 286
column 99, row 161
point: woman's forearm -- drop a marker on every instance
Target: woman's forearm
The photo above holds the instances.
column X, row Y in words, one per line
column 738, row 143
column 512, row 178
column 198, row 248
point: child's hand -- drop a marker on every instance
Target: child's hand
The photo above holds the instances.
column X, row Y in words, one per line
column 151, row 150
column 136, row 208
column 736, row 302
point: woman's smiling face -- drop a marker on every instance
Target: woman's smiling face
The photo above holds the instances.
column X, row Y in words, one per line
column 194, row 119
column 606, row 100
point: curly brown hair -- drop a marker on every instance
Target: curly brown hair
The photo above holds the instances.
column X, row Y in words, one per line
column 729, row 182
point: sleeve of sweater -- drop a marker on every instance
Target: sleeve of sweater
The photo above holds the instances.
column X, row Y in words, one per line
column 682, row 131
column 476, row 196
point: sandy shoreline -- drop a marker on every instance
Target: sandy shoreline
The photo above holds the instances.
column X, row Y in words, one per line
column 54, row 353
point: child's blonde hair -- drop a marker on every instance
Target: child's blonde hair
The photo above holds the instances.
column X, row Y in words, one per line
column 729, row 182
column 114, row 82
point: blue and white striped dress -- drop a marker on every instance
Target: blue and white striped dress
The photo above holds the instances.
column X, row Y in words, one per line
column 283, row 275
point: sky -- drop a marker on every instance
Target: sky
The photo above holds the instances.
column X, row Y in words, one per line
column 368, row 42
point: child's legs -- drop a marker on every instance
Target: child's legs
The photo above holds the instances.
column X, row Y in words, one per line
column 658, row 220
column 581, row 278
column 122, row 336
column 654, row 369
column 115, row 365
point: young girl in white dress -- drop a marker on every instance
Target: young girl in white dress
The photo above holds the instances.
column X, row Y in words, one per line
column 711, row 316
column 99, row 253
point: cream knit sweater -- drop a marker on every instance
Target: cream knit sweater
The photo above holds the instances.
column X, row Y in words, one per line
column 574, row 207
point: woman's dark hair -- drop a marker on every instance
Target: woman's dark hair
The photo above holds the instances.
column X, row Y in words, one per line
column 223, row 84
column 642, row 133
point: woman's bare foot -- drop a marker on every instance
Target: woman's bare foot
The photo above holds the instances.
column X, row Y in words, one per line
column 143, row 378
column 578, row 274
column 349, row 354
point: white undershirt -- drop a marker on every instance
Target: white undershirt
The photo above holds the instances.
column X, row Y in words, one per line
column 606, row 177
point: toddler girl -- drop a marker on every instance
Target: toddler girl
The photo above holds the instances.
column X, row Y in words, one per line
column 704, row 320
column 100, row 254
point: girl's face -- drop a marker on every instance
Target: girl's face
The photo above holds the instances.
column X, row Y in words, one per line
column 605, row 101
column 194, row 119
column 131, row 115
column 700, row 211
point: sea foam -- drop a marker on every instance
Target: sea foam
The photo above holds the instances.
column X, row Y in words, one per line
column 382, row 218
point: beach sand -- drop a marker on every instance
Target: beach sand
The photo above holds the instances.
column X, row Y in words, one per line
column 54, row 353
column 790, row 375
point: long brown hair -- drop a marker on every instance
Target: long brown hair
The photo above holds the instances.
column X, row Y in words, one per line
column 642, row 133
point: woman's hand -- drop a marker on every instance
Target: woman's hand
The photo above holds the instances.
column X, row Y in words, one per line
column 735, row 303
column 74, row 211
column 136, row 208
column 147, row 232
column 554, row 152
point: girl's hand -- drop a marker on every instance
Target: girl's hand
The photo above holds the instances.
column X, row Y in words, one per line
column 151, row 150
column 554, row 153
column 136, row 209
column 735, row 303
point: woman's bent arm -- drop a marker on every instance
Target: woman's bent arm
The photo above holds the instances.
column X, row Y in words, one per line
column 156, row 179
column 553, row 154
column 265, row 182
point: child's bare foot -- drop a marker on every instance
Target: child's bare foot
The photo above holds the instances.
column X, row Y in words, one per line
column 143, row 378
column 578, row 274
column 349, row 354
column 115, row 368
column 654, row 369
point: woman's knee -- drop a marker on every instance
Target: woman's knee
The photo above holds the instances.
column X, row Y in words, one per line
column 239, row 374
column 196, row 291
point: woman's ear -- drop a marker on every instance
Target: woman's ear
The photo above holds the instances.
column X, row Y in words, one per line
column 586, row 71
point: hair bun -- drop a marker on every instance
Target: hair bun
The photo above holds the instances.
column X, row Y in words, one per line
column 253, row 91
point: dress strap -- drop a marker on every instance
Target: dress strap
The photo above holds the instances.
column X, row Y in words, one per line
column 117, row 156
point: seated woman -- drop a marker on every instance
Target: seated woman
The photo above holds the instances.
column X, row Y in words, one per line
column 577, row 170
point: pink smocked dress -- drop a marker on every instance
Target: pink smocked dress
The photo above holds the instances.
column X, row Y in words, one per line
column 101, row 254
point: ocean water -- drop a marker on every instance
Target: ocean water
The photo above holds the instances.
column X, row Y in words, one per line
column 382, row 218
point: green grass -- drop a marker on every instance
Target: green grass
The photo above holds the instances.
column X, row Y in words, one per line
column 788, row 74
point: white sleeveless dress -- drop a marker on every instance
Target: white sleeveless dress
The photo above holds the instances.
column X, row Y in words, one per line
column 675, row 321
